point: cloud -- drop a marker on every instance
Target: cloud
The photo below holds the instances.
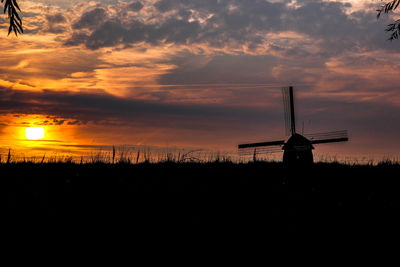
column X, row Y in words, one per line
column 180, row 22
column 91, row 19
column 221, row 69
column 135, row 6
column 233, row 23
column 210, row 42
column 55, row 23
column 56, row 18
column 77, row 38
column 104, row 109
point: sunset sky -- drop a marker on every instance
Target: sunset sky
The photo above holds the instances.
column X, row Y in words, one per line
column 203, row 74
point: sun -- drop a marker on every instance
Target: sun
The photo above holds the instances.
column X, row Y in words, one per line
column 34, row 133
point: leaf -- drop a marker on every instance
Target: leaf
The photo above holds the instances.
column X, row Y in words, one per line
column 16, row 5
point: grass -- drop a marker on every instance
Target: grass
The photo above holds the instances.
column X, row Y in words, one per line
column 121, row 155
column 128, row 155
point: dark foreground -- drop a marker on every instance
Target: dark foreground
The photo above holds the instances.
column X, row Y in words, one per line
column 255, row 198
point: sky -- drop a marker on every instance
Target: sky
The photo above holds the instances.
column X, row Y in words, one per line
column 198, row 74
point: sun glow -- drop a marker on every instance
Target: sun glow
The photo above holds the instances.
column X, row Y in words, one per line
column 34, row 133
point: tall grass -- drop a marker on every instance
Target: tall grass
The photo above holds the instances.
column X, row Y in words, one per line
column 131, row 155
column 120, row 155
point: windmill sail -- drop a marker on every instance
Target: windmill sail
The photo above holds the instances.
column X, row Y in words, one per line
column 328, row 137
column 260, row 148
column 288, row 104
column 273, row 143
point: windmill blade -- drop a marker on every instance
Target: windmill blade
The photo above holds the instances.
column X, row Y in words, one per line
column 288, row 104
column 286, row 109
column 259, row 150
column 328, row 137
column 333, row 140
column 261, row 144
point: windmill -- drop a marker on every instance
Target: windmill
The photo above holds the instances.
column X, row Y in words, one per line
column 297, row 150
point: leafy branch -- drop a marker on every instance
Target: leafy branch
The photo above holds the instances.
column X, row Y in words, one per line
column 394, row 27
column 12, row 8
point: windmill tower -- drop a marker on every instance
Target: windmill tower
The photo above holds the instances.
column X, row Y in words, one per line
column 297, row 150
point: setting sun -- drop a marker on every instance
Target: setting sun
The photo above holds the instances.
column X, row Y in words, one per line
column 34, row 133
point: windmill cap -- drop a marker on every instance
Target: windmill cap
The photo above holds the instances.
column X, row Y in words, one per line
column 297, row 141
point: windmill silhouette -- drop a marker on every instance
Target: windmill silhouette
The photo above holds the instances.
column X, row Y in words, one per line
column 297, row 150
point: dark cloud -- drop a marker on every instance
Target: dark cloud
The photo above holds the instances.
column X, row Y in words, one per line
column 220, row 69
column 110, row 33
column 102, row 108
column 91, row 19
column 222, row 23
column 77, row 38
column 240, row 25
column 171, row 29
column 167, row 5
column 135, row 6
column 56, row 29
column 55, row 23
column 113, row 32
column 55, row 18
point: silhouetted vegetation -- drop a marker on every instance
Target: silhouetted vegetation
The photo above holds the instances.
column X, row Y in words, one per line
column 11, row 8
column 256, row 197
column 393, row 28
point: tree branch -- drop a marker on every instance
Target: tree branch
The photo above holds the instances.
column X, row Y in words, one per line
column 12, row 8
column 394, row 27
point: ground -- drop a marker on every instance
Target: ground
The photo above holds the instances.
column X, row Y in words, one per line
column 255, row 198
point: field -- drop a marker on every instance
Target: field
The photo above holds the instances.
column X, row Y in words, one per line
column 255, row 197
